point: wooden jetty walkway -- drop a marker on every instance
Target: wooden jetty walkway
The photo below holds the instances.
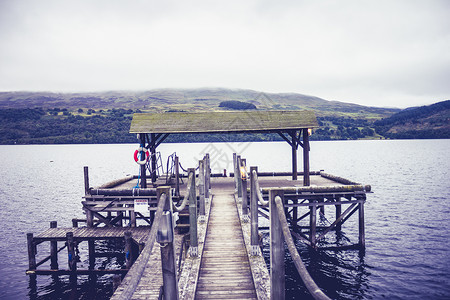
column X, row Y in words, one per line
column 201, row 238
column 225, row 269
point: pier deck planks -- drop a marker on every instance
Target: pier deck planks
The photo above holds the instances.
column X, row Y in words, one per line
column 225, row 270
column 139, row 234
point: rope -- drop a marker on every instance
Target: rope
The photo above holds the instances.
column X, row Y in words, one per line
column 186, row 199
column 258, row 190
column 184, row 170
column 312, row 287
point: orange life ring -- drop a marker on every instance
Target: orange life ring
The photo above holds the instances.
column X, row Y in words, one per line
column 136, row 154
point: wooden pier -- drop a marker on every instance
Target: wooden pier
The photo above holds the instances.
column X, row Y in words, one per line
column 214, row 250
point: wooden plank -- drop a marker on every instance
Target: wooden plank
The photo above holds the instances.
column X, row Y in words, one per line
column 225, row 269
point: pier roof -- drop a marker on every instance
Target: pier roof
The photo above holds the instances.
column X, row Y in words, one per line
column 222, row 121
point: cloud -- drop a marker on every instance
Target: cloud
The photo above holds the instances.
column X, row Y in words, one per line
column 370, row 52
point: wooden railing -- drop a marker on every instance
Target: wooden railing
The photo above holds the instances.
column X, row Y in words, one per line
column 135, row 273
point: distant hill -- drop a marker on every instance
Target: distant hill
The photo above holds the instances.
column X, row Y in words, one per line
column 431, row 121
column 186, row 100
column 56, row 118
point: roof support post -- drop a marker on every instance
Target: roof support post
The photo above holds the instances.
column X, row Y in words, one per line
column 153, row 156
column 294, row 146
column 143, row 168
column 306, row 179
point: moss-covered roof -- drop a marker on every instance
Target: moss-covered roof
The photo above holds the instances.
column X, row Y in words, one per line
column 222, row 122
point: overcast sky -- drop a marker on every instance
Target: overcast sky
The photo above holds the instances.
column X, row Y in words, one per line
column 379, row 52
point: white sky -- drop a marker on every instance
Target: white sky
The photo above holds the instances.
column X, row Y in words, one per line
column 372, row 52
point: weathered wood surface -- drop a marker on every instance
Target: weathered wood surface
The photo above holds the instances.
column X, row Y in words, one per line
column 139, row 234
column 225, row 271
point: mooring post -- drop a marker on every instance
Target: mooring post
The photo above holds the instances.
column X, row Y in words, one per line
column 362, row 233
column 53, row 249
column 277, row 282
column 193, row 250
column 166, row 240
column 254, row 238
column 31, row 252
column 72, row 260
column 238, row 176
column 128, row 249
column 143, row 166
column 312, row 223
column 177, row 176
column 207, row 177
column 201, row 190
column 86, row 180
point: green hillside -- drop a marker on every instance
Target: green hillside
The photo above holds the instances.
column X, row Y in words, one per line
column 425, row 122
column 42, row 118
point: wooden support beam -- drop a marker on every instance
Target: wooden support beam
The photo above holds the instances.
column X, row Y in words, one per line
column 277, row 272
column 294, row 147
column 254, row 236
column 201, row 189
column 128, row 249
column 306, row 178
column 168, row 263
column 53, row 249
column 193, row 250
column 362, row 233
column 244, row 191
column 312, row 225
column 31, row 252
column 72, row 260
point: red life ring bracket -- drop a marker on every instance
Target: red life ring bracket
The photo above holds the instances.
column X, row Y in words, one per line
column 136, row 155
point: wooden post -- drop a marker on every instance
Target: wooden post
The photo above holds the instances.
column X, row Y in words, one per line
column 312, row 224
column 207, row 176
column 86, row 180
column 294, row 214
column 31, row 252
column 306, row 178
column 168, row 263
column 244, row 193
column 238, row 176
column 153, row 156
column 362, row 233
column 91, row 249
column 338, row 214
column 294, row 146
column 193, row 216
column 235, row 176
column 201, row 189
column 177, row 176
column 132, row 218
column 71, row 251
column 128, row 249
column 254, row 238
column 277, row 282
column 53, row 249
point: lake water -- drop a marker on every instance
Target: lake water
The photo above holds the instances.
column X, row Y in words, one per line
column 407, row 216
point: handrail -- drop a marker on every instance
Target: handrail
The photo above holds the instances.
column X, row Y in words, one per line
column 137, row 270
column 258, row 190
column 186, row 198
column 312, row 287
